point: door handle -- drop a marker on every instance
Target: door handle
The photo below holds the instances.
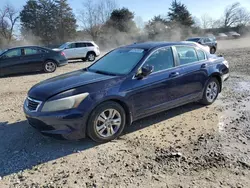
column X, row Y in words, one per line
column 203, row 66
column 174, row 74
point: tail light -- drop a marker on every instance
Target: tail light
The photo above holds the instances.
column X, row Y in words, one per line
column 62, row 53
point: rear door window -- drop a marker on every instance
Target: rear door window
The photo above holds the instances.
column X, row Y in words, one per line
column 201, row 55
column 80, row 45
column 31, row 51
column 186, row 55
column 72, row 45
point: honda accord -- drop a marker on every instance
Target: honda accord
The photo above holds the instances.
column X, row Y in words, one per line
column 127, row 84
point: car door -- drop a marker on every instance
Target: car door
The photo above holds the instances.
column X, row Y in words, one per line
column 10, row 62
column 70, row 51
column 33, row 59
column 193, row 67
column 81, row 49
column 158, row 91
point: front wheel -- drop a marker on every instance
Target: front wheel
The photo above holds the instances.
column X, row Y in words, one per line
column 50, row 66
column 211, row 91
column 106, row 122
column 91, row 56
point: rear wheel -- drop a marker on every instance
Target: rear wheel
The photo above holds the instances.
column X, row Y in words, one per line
column 211, row 91
column 106, row 122
column 91, row 56
column 50, row 66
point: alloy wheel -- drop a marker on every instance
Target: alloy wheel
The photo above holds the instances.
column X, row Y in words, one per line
column 108, row 123
column 50, row 66
column 212, row 91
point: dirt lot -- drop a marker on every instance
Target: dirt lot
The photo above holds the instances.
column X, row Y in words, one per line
column 190, row 146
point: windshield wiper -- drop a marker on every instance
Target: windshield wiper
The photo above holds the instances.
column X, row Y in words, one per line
column 105, row 73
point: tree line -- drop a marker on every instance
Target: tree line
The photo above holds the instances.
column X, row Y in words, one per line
column 52, row 22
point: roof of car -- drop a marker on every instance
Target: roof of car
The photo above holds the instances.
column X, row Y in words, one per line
column 25, row 47
column 81, row 41
column 150, row 45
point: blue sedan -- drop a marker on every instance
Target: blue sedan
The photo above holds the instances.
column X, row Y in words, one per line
column 127, row 84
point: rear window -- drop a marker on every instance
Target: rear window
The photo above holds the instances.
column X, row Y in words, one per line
column 193, row 39
column 89, row 44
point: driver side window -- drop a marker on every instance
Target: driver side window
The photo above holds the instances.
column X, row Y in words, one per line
column 13, row 53
column 161, row 59
column 72, row 45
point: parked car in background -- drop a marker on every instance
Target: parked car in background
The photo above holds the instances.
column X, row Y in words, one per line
column 206, row 41
column 85, row 50
column 222, row 36
column 203, row 47
column 127, row 84
column 30, row 59
column 211, row 36
column 233, row 35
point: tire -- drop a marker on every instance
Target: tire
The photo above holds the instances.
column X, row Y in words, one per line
column 100, row 118
column 211, row 91
column 91, row 56
column 212, row 50
column 50, row 66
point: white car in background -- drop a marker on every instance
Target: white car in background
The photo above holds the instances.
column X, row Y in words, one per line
column 222, row 36
column 233, row 34
column 85, row 50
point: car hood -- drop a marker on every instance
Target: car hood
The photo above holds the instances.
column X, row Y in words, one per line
column 50, row 87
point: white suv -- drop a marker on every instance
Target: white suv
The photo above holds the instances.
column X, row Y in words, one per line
column 85, row 50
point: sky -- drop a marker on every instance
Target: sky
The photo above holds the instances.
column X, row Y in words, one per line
column 147, row 9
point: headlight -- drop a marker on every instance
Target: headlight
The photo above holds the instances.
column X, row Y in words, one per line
column 64, row 103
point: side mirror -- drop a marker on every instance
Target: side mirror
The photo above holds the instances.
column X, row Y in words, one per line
column 144, row 71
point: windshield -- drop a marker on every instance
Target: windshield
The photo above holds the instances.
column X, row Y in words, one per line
column 120, row 61
column 2, row 51
column 63, row 46
column 194, row 39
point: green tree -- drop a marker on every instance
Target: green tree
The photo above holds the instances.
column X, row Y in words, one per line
column 66, row 22
column 122, row 20
column 52, row 21
column 48, row 21
column 30, row 18
column 156, row 26
column 179, row 14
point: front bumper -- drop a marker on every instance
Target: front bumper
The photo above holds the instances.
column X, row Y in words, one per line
column 68, row 124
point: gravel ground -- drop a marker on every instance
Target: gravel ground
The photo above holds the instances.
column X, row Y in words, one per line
column 190, row 146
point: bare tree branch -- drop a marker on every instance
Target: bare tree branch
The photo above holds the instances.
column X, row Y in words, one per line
column 8, row 19
column 235, row 15
column 94, row 15
column 206, row 21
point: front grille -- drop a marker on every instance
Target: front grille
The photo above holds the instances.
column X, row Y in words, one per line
column 32, row 104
